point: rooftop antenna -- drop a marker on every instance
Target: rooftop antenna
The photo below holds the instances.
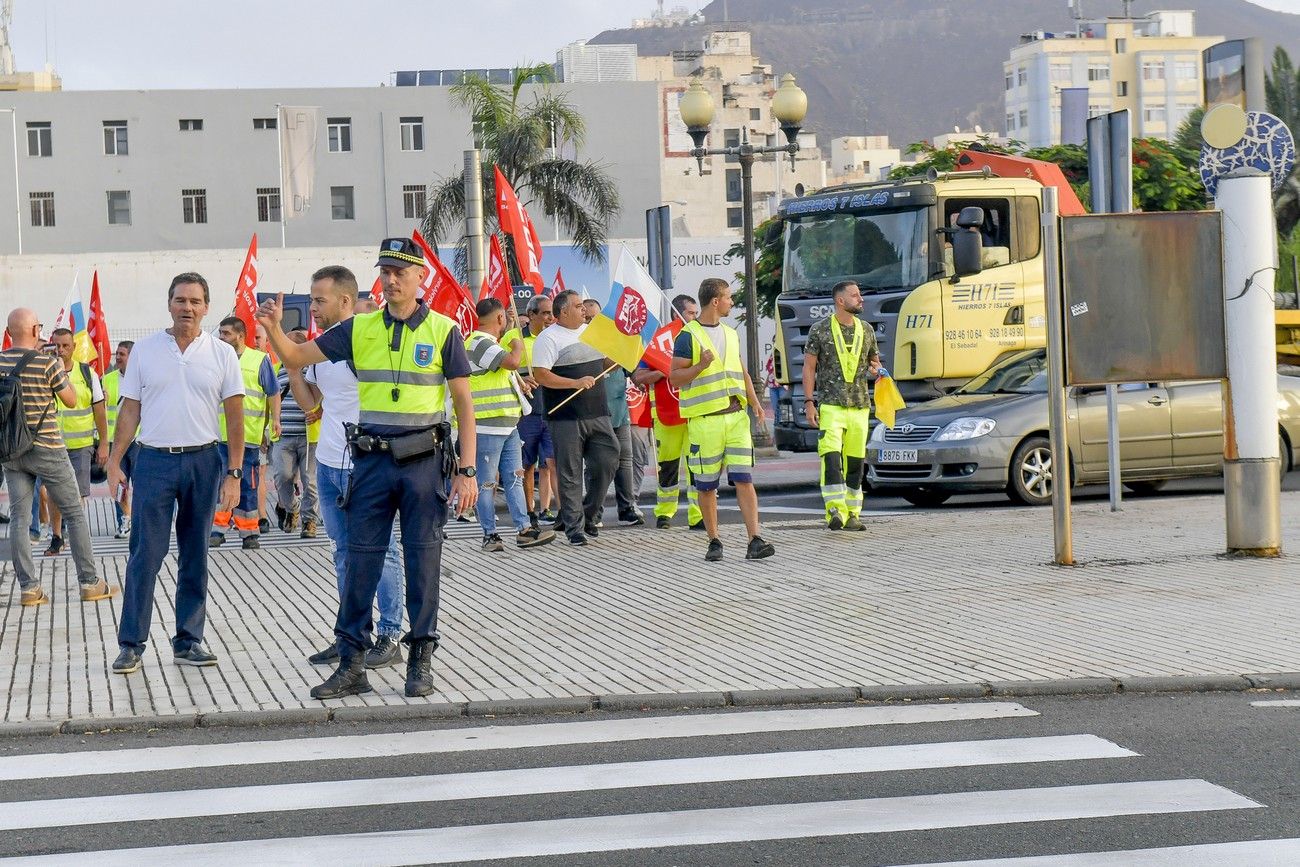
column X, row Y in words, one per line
column 1076, row 8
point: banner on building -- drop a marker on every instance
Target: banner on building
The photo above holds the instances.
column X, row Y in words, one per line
column 298, row 127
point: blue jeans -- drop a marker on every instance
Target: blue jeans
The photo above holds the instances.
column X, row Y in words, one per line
column 391, row 593
column 499, row 455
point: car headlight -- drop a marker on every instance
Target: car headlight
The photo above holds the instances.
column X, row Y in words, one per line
column 966, row 429
column 877, row 434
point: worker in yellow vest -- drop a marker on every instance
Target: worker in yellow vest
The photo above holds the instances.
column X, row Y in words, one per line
column 261, row 401
column 537, row 448
column 840, row 361
column 498, row 407
column 112, row 383
column 715, row 391
column 81, row 424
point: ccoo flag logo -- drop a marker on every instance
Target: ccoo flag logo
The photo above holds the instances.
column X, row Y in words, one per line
column 630, row 317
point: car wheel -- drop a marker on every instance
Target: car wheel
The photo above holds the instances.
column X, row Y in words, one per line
column 927, row 497
column 1031, row 472
column 1144, row 488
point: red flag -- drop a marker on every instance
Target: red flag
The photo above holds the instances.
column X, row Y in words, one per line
column 97, row 330
column 8, row 342
column 497, row 283
column 454, row 302
column 659, row 352
column 557, row 285
column 438, row 277
column 246, row 292
column 514, row 220
column 638, row 406
column 377, row 293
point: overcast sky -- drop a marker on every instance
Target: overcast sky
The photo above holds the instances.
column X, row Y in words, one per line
column 154, row 44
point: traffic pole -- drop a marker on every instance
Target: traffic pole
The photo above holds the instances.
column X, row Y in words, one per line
column 1252, row 469
column 1058, row 433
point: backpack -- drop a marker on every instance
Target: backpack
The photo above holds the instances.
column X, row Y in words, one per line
column 16, row 438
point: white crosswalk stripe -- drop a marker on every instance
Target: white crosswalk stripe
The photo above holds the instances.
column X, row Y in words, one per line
column 919, row 810
column 1256, row 853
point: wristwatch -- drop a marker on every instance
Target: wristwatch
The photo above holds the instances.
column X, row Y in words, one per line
column 467, row 472
column 236, row 473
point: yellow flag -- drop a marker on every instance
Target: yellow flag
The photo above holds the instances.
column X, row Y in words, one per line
column 888, row 400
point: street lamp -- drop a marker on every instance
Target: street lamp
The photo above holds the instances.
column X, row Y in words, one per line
column 789, row 106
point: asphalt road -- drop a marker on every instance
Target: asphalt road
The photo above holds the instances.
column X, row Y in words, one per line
column 1235, row 766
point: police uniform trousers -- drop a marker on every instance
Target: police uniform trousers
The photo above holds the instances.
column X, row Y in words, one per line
column 380, row 490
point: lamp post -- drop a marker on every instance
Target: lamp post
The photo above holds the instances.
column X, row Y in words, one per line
column 789, row 106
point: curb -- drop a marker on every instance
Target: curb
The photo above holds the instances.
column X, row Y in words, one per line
column 754, row 698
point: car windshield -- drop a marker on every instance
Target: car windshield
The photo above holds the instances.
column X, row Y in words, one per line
column 880, row 251
column 1025, row 373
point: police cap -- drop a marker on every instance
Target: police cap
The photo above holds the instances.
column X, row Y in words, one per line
column 399, row 253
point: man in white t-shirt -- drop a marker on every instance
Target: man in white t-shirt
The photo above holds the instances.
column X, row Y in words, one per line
column 178, row 380
column 333, row 386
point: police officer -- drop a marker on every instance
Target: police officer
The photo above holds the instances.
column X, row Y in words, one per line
column 715, row 392
column 407, row 359
column 840, row 360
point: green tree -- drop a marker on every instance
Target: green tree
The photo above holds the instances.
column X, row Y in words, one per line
column 1188, row 138
column 1282, row 98
column 526, row 139
column 769, row 254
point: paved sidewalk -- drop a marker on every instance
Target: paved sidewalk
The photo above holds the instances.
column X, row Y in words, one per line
column 938, row 597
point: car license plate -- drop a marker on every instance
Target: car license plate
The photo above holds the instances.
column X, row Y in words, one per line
column 898, row 456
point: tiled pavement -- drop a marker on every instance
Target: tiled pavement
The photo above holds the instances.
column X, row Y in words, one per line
column 943, row 596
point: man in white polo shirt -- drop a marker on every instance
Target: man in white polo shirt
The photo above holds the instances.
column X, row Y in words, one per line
column 172, row 390
column 333, row 386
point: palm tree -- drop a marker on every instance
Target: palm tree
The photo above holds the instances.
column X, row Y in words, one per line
column 527, row 141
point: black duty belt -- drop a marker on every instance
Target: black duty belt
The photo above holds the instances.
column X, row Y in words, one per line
column 403, row 447
column 178, row 450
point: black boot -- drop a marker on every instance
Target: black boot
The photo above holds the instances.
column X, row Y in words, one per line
column 419, row 681
column 348, row 679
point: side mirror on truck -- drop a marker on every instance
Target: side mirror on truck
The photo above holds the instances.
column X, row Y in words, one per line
column 967, row 244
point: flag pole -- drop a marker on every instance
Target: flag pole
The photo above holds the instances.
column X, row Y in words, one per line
column 579, row 391
column 279, row 154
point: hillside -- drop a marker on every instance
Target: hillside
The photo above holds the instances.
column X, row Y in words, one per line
column 915, row 68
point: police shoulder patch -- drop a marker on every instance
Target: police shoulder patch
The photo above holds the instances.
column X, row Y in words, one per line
column 423, row 354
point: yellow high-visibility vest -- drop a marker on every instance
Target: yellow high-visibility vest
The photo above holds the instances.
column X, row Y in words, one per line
column 413, row 372
column 78, row 422
column 255, row 400
column 717, row 384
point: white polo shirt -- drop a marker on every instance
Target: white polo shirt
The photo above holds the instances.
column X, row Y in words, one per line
column 180, row 394
column 339, row 404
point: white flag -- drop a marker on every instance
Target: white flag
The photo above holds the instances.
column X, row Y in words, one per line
column 298, row 128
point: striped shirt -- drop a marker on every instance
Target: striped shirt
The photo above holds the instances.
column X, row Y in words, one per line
column 41, row 379
column 293, row 423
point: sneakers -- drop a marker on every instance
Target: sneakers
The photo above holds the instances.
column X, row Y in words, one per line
column 532, row 537
column 385, row 652
column 290, row 522
column 263, row 525
column 34, row 535
column 698, row 526
column 758, row 549
column 35, row 596
column 854, row 524
column 251, row 543
column 196, row 655
column 127, row 662
column 123, row 528
column 348, row 679
column 492, row 544
column 308, row 529
column 577, row 540
column 631, row 519
column 836, row 522
column 323, row 657
column 592, row 529
column 101, row 589
column 663, row 523
column 56, row 545
column 548, row 516
column 533, row 520
column 216, row 540
column 714, row 554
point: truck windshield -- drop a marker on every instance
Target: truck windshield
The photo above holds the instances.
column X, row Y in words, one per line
column 1023, row 373
column 880, row 251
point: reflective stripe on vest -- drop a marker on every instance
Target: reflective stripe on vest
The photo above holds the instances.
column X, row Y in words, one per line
column 717, row 384
column 250, row 367
column 418, row 377
column 494, row 396
column 78, row 422
column 111, row 382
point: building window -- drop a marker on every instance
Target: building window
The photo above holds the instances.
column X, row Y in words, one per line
column 1154, row 114
column 1121, row 88
column 412, row 133
column 194, row 205
column 42, row 209
column 115, row 138
column 340, row 135
column 39, row 139
column 733, row 185
column 119, row 207
column 1022, row 76
column 1186, row 70
column 755, row 114
column 1061, row 72
column 1098, row 72
column 735, row 218
column 341, row 204
column 191, row 124
column 264, row 123
column 1024, row 118
column 1153, row 71
column 731, row 139
column 1011, row 122
column 268, row 204
column 1010, row 80
column 1096, row 109
column 1121, row 46
column 413, row 202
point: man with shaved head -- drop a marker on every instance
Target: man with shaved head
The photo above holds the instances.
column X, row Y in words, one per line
column 41, row 379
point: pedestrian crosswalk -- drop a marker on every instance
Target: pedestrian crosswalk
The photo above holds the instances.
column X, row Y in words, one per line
column 143, row 797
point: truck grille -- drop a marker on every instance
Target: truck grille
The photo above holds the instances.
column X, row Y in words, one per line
column 917, row 434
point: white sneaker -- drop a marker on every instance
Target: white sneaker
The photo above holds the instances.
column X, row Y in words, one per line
column 123, row 528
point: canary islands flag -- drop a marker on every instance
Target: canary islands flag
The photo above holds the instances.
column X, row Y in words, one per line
column 631, row 316
column 72, row 316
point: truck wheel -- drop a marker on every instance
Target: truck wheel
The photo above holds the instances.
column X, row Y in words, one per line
column 925, row 497
column 1031, row 473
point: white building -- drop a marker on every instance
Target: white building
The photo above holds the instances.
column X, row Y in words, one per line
column 862, row 158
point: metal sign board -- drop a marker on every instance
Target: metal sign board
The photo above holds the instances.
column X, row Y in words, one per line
column 1143, row 297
